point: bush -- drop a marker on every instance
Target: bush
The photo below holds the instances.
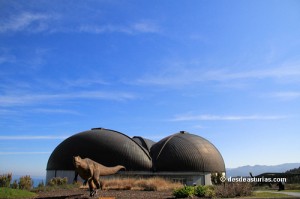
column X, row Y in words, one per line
column 292, row 186
column 200, row 190
column 210, row 193
column 184, row 192
column 15, row 185
column 25, row 182
column 204, row 191
column 231, row 190
column 5, row 180
column 58, row 181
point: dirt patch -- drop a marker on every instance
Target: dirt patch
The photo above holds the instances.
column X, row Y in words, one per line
column 104, row 194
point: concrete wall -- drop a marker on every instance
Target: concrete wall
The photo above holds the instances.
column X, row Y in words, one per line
column 187, row 178
column 208, row 179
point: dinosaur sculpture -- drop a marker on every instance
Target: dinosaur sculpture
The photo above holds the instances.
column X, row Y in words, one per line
column 91, row 171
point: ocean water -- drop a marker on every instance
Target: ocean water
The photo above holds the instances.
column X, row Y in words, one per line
column 36, row 181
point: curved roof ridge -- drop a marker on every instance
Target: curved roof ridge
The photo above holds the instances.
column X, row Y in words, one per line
column 195, row 148
column 142, row 140
column 161, row 149
column 144, row 150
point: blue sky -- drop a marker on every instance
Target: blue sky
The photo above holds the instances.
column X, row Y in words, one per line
column 228, row 71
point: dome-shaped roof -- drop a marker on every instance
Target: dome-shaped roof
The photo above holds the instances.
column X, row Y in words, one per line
column 105, row 146
column 146, row 143
column 186, row 152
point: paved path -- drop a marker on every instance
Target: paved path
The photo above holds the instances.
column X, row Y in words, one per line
column 295, row 194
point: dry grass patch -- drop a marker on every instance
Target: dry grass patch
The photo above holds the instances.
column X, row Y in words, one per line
column 144, row 184
column 118, row 184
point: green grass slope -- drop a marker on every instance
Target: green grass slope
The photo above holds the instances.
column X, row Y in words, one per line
column 15, row 193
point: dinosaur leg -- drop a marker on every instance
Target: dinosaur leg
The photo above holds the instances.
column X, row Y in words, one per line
column 91, row 187
column 75, row 178
column 84, row 182
column 96, row 180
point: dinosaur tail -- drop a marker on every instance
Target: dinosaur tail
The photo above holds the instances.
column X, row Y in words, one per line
column 111, row 170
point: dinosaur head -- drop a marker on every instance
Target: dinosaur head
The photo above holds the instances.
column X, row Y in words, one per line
column 76, row 161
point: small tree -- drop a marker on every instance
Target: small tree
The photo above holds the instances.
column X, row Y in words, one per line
column 5, row 180
column 25, row 182
column 57, row 181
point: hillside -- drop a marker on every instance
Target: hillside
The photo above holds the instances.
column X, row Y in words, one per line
column 258, row 169
column 295, row 170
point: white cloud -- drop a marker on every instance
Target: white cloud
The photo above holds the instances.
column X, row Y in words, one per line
column 26, row 21
column 32, row 98
column 190, row 117
column 288, row 95
column 29, row 137
column 97, row 29
column 145, row 27
column 84, row 82
column 139, row 27
column 25, row 153
column 181, row 76
column 56, row 111
column 61, row 23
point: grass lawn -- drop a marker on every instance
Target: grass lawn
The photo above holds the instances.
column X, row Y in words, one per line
column 15, row 193
column 269, row 195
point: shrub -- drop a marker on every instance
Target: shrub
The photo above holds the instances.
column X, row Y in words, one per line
column 205, row 191
column 184, row 192
column 25, row 182
column 292, row 186
column 231, row 190
column 5, row 180
column 42, row 187
column 210, row 193
column 57, row 181
column 15, row 185
column 200, row 190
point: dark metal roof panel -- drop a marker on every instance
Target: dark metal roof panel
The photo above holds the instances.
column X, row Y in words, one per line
column 146, row 143
column 186, row 152
column 105, row 146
